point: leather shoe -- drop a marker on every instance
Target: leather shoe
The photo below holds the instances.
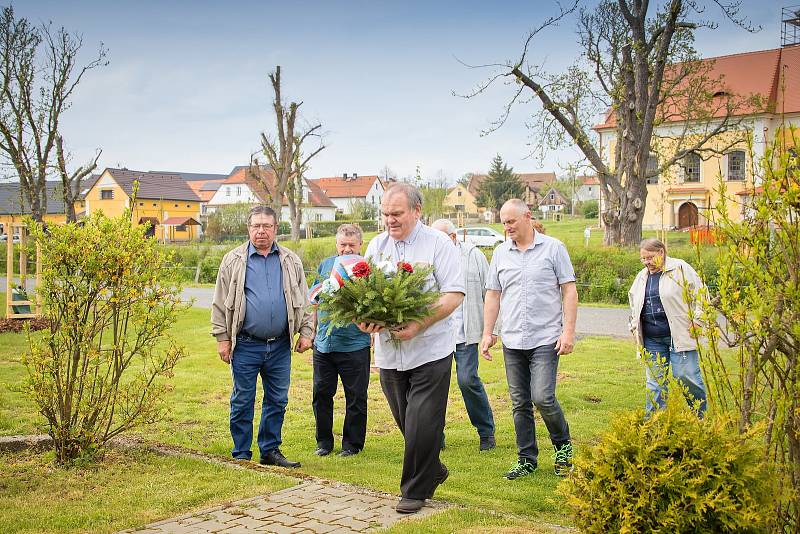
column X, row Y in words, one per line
column 276, row 457
column 487, row 443
column 443, row 474
column 322, row 451
column 409, row 506
column 347, row 452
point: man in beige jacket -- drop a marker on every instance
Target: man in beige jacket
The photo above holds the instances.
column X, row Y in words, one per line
column 260, row 304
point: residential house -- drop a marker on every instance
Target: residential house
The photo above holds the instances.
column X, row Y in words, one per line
column 345, row 190
column 14, row 206
column 243, row 186
column 460, row 200
column 164, row 200
column 552, row 201
column 204, row 186
column 588, row 188
column 688, row 193
column 534, row 183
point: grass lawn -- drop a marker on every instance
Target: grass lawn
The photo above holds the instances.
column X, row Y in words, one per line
column 601, row 378
column 570, row 232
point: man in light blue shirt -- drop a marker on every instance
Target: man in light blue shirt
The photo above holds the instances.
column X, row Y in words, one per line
column 415, row 370
column 532, row 284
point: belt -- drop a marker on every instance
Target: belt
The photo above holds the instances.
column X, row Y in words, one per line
column 261, row 339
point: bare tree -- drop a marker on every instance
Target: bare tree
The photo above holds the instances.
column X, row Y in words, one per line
column 283, row 151
column 643, row 71
column 38, row 76
column 387, row 174
column 71, row 181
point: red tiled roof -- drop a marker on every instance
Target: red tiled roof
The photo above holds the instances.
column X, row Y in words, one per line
column 589, row 180
column 773, row 74
column 339, row 187
column 201, row 189
column 263, row 188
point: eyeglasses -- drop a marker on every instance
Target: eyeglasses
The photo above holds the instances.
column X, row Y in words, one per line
column 262, row 226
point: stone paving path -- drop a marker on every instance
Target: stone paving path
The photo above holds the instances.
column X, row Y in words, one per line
column 318, row 507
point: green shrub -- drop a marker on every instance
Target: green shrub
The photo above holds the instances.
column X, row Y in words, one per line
column 109, row 294
column 590, row 209
column 671, row 473
column 328, row 228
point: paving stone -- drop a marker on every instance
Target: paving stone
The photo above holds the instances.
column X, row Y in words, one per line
column 208, row 526
column 223, row 517
column 316, row 526
column 257, row 513
column 290, row 509
column 327, row 506
column 336, row 492
column 351, row 523
column 176, row 527
column 237, row 530
column 320, row 515
column 248, row 522
column 286, row 520
column 281, row 529
column 341, row 530
column 365, row 515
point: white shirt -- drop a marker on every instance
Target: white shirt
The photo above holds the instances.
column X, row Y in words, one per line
column 424, row 246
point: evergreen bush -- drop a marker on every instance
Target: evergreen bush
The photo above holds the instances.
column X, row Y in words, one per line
column 671, row 473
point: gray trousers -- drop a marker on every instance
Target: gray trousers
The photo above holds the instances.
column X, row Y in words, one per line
column 418, row 401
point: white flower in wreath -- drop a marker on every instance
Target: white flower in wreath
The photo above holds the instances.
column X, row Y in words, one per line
column 330, row 286
column 388, row 267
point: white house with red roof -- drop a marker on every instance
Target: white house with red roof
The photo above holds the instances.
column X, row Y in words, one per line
column 347, row 189
column 588, row 188
column 243, row 187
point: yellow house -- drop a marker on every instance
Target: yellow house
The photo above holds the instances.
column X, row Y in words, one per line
column 459, row 199
column 686, row 195
column 164, row 200
column 14, row 207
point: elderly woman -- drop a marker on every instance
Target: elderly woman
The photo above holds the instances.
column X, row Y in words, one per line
column 660, row 322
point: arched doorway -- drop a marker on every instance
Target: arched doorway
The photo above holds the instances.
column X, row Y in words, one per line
column 687, row 215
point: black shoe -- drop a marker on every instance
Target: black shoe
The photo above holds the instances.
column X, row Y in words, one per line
column 276, row 457
column 322, row 451
column 410, row 506
column 443, row 474
column 488, row 443
column 347, row 452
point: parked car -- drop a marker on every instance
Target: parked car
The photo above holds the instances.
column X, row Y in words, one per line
column 481, row 236
column 4, row 238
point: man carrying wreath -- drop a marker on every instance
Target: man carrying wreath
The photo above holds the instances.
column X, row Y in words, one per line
column 415, row 358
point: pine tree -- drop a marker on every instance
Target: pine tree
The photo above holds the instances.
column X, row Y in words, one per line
column 501, row 185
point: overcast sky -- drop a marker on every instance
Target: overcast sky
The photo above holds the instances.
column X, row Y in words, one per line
column 187, row 89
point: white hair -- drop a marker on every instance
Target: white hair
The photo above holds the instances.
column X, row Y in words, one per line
column 445, row 225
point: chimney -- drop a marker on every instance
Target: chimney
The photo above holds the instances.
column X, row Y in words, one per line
column 355, row 176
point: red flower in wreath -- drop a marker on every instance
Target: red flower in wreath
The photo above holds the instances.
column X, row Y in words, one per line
column 361, row 269
column 404, row 266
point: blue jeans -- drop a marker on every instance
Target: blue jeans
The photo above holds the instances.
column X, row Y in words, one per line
column 685, row 368
column 531, row 376
column 475, row 399
column 273, row 362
